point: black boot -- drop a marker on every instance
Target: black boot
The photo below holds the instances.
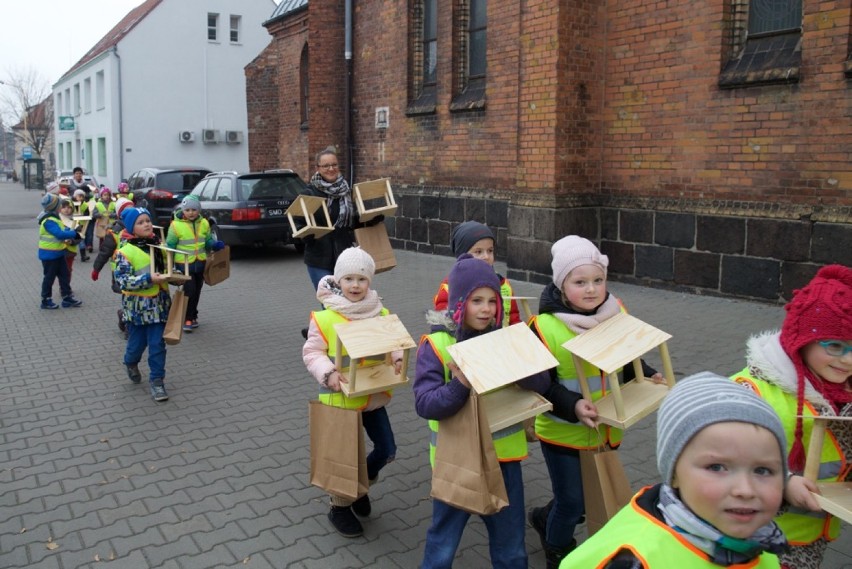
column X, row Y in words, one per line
column 554, row 555
column 345, row 522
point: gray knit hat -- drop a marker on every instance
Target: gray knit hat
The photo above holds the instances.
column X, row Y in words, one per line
column 466, row 234
column 704, row 399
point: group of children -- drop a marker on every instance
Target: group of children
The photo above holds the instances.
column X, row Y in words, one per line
column 728, row 497
column 127, row 247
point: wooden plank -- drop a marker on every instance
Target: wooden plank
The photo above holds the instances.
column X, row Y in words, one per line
column 374, row 336
column 501, row 357
column 375, row 241
column 836, row 499
column 641, row 398
column 373, row 379
column 615, row 342
column 372, row 190
column 511, row 405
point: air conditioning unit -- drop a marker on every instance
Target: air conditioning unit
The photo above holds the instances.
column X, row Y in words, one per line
column 233, row 136
column 210, row 136
column 186, row 136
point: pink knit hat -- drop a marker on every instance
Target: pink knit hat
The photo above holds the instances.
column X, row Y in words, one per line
column 571, row 252
column 822, row 310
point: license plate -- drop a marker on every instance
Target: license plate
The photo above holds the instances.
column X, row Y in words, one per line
column 277, row 212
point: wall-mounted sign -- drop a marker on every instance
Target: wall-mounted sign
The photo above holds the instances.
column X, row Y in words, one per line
column 66, row 123
column 27, row 152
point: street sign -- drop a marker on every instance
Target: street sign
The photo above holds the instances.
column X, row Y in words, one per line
column 27, row 152
column 66, row 123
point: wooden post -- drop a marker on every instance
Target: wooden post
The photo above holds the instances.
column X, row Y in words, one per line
column 667, row 364
column 814, row 451
column 581, row 377
column 616, row 395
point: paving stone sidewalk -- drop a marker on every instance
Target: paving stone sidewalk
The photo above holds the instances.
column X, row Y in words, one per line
column 218, row 475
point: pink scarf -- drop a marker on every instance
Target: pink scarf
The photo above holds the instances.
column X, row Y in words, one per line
column 331, row 296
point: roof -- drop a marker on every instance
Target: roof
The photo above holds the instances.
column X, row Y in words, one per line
column 285, row 8
column 116, row 34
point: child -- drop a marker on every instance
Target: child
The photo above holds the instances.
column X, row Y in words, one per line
column 104, row 208
column 805, row 369
column 441, row 390
column 720, row 452
column 145, row 299
column 81, row 207
column 123, row 191
column 576, row 301
column 106, row 254
column 475, row 238
column 347, row 295
column 66, row 215
column 52, row 238
column 190, row 233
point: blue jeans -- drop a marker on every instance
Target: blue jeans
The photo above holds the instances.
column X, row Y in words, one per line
column 56, row 269
column 148, row 336
column 378, row 427
column 568, row 507
column 505, row 529
column 316, row 274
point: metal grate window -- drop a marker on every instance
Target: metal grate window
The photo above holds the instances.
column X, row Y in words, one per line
column 477, row 27
column 772, row 16
column 430, row 42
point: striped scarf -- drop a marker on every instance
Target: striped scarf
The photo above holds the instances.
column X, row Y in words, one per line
column 336, row 191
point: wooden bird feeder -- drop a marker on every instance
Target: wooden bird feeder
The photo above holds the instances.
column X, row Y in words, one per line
column 493, row 362
column 611, row 345
column 834, row 497
column 171, row 276
column 306, row 207
column 379, row 336
column 162, row 231
column 367, row 193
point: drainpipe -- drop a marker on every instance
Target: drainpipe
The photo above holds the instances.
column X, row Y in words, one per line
column 120, row 119
column 348, row 94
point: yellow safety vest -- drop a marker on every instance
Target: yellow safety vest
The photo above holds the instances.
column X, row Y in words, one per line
column 654, row 543
column 802, row 526
column 104, row 208
column 141, row 262
column 325, row 321
column 192, row 236
column 46, row 240
column 510, row 443
column 550, row 428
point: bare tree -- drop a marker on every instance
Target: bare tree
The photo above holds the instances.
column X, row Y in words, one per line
column 27, row 104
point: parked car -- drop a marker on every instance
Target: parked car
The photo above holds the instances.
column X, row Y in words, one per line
column 163, row 188
column 249, row 209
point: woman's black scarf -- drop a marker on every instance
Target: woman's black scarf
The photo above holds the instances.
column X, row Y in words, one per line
column 337, row 190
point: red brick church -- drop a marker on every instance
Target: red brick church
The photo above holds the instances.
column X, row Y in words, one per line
column 705, row 146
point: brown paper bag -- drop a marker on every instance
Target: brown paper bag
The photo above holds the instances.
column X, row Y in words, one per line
column 177, row 315
column 467, row 474
column 218, row 266
column 338, row 453
column 102, row 226
column 374, row 240
column 605, row 486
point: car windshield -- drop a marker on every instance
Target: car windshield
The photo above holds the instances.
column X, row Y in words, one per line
column 277, row 187
column 179, row 181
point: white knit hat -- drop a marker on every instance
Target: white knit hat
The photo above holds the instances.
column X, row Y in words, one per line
column 354, row 261
column 571, row 252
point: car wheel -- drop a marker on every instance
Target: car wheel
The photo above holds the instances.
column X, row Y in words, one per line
column 214, row 232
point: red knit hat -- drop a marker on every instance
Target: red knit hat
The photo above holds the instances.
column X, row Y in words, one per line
column 822, row 310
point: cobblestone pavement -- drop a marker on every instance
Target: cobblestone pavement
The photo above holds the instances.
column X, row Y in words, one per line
column 218, row 475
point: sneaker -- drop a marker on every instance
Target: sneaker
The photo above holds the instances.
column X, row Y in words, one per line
column 48, row 304
column 187, row 326
column 345, row 522
column 122, row 325
column 133, row 372
column 158, row 391
column 71, row 302
column 195, row 323
column 362, row 506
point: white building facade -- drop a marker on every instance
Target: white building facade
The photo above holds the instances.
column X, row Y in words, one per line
column 165, row 87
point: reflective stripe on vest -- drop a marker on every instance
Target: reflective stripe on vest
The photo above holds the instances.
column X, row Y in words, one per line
column 655, row 544
column 550, row 428
column 141, row 263
column 191, row 239
column 46, row 240
column 510, row 443
column 802, row 526
column 325, row 321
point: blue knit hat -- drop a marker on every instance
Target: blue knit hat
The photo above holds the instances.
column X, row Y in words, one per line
column 131, row 214
column 50, row 203
column 466, row 235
